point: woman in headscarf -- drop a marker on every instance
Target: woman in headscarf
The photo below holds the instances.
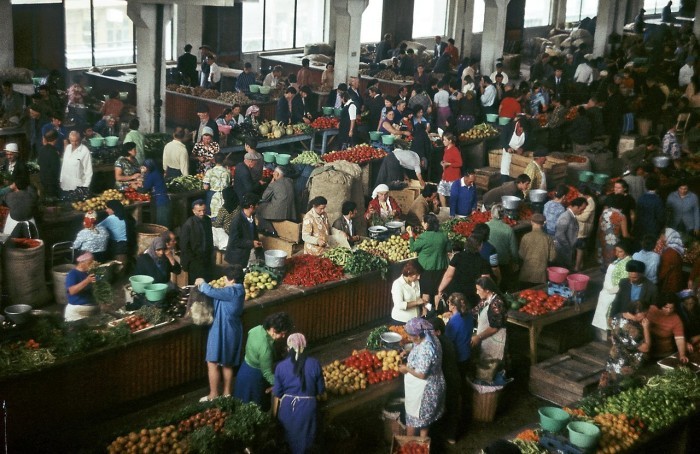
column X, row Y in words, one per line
column 251, row 115
column 205, row 150
column 382, row 207
column 298, row 381
column 616, row 271
column 157, row 263
column 121, row 228
column 670, row 278
column 424, row 382
column 225, row 341
column 154, row 183
column 92, row 238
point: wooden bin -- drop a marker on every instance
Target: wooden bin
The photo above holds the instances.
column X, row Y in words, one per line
column 495, row 158
column 405, row 197
column 487, row 177
column 401, row 440
column 288, row 230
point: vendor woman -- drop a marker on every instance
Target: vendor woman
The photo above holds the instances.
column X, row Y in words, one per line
column 382, row 207
column 315, row 230
column 158, row 262
column 81, row 303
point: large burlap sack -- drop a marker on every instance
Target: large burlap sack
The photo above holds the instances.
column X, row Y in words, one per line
column 319, row 58
column 582, row 34
column 333, row 184
column 418, row 48
column 558, row 39
column 356, row 191
column 23, row 274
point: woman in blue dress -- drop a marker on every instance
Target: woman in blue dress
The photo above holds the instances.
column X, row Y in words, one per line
column 298, row 380
column 225, row 341
column 154, row 184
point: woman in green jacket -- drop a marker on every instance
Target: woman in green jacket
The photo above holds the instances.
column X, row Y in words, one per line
column 431, row 246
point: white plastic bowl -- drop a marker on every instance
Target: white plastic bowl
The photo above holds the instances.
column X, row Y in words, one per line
column 391, row 337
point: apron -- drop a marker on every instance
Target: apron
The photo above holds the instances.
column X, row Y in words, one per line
column 605, row 299
column 493, row 347
column 78, row 312
column 295, row 399
column 10, row 225
column 414, row 388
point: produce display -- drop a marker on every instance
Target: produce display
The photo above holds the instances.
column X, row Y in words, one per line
column 535, row 302
column 571, row 114
column 394, row 249
column 361, row 369
column 341, row 379
column 374, row 339
column 528, row 446
column 213, row 417
column 338, row 255
column 478, row 132
column 228, row 97
column 255, row 283
column 274, row 130
column 135, row 196
column 100, row 202
column 358, row 154
column 184, row 183
column 136, row 323
column 569, row 197
column 308, row 158
column 412, row 447
column 160, row 439
column 362, row 261
column 309, row 270
column 618, row 432
column 458, row 229
column 325, row 123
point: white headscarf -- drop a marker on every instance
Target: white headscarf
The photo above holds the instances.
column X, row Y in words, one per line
column 378, row 189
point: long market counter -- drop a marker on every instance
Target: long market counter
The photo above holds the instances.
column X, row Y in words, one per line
column 181, row 109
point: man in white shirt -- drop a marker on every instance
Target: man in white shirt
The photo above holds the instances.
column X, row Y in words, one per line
column 686, row 72
column 273, row 78
column 175, row 160
column 488, row 98
column 214, row 73
column 499, row 69
column 584, row 73
column 76, row 169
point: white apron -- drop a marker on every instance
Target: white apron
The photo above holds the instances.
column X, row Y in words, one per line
column 493, row 347
column 605, row 299
column 220, row 238
column 78, row 312
column 414, row 388
column 10, row 224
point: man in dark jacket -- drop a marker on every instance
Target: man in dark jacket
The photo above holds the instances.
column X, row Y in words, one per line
column 646, row 295
column 284, row 112
column 49, row 165
column 613, row 113
column 243, row 182
column 374, row 104
column 197, row 244
column 187, row 67
column 243, row 236
column 277, row 202
column 205, row 121
column 653, row 208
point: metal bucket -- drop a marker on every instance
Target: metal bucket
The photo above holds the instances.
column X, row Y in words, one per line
column 510, row 202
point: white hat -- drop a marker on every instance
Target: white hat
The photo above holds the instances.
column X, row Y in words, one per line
column 378, row 189
column 12, row 148
column 207, row 130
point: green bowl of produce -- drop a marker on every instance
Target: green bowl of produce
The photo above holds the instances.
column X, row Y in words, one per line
column 337, row 111
column 388, row 139
column 601, row 178
column 553, row 419
column 269, row 156
column 327, row 111
column 254, row 88
column 139, row 281
column 265, row 90
column 583, row 434
column 375, row 136
column 283, row 159
column 155, row 292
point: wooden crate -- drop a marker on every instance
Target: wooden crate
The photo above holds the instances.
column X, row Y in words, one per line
column 405, row 198
column 495, row 157
column 270, row 242
column 487, row 177
column 567, row 378
column 554, row 168
column 626, row 143
column 288, row 230
column 401, row 440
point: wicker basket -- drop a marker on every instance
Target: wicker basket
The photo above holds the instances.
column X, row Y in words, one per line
column 495, row 158
column 484, row 405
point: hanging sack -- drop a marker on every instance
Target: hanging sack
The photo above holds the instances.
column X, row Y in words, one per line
column 201, row 308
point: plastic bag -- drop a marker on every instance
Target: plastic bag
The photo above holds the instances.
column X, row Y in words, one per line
column 201, row 308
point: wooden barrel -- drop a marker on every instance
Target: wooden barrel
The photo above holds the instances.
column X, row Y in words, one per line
column 145, row 234
column 59, row 274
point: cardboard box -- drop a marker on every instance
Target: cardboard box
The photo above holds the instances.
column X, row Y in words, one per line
column 278, row 243
column 400, row 441
column 405, row 198
column 288, row 230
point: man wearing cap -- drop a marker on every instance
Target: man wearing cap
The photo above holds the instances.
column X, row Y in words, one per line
column 175, row 158
column 187, row 67
column 535, row 169
column 463, row 194
column 57, row 125
column 245, row 79
column 205, row 121
column 517, row 188
column 536, row 252
column 76, row 169
column 11, row 155
column 50, row 165
column 686, row 72
column 79, row 280
column 197, row 244
column 244, row 182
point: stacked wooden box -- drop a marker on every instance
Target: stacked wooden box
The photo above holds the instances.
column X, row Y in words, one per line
column 488, row 177
column 554, row 168
column 288, row 240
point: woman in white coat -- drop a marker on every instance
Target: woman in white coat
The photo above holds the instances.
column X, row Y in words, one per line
column 406, row 294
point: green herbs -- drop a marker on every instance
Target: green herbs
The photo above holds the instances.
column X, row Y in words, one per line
column 680, row 381
column 185, row 183
column 362, row 262
column 153, row 314
column 338, row 255
column 374, row 340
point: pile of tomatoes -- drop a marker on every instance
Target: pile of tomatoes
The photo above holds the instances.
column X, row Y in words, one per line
column 412, row 447
column 136, row 323
column 371, row 366
column 358, row 154
column 325, row 123
column 134, row 195
column 539, row 303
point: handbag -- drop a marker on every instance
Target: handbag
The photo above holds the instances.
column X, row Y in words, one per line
column 201, row 308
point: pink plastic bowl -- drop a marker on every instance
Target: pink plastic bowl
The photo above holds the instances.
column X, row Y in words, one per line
column 557, row 274
column 578, row 282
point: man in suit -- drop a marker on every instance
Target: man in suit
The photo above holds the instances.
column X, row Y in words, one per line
column 334, row 98
column 383, row 48
column 197, row 244
column 187, row 67
column 284, row 112
column 244, row 182
column 439, row 48
column 566, row 232
column 301, row 106
column 374, row 105
column 354, row 92
column 50, row 165
column 347, row 223
column 243, row 235
column 635, row 288
column 557, row 82
column 277, row 202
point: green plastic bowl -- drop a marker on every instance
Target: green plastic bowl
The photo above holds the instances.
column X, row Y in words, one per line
column 337, row 111
column 327, row 111
column 283, row 159
column 97, row 142
column 503, row 121
column 553, row 419
column 583, row 434
column 388, row 139
column 492, row 118
column 585, row 176
column 155, row 292
column 375, row 135
column 111, row 141
column 601, row 178
column 254, row 88
column 269, row 156
column 139, row 281
column 265, row 90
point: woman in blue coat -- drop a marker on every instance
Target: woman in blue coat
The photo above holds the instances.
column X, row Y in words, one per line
column 225, row 341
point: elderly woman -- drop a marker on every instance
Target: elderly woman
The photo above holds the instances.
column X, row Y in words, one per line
column 631, row 341
column 670, row 278
column 225, row 340
column 666, row 328
column 406, row 294
column 616, row 271
column 158, row 262
column 251, row 115
column 81, row 303
column 76, row 168
column 382, row 207
column 490, row 315
column 127, row 172
column 612, row 228
column 689, row 312
column 205, row 150
column 315, row 229
column 298, row 382
column 431, row 246
column 424, row 382
column 154, row 184
column 683, row 209
column 92, row 238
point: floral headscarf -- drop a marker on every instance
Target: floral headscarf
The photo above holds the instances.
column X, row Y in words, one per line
column 297, row 342
column 418, row 325
column 674, row 241
column 251, row 110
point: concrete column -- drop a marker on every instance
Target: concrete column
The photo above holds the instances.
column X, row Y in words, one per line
column 604, row 26
column 559, row 13
column 7, row 50
column 189, row 27
column 494, row 35
column 696, row 24
column 347, row 38
column 454, row 9
column 150, row 89
column 620, row 16
column 467, row 25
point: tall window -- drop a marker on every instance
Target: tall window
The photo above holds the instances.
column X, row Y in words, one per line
column 537, row 13
column 429, row 18
column 655, row 6
column 580, row 9
column 478, row 17
column 281, row 24
column 371, row 31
